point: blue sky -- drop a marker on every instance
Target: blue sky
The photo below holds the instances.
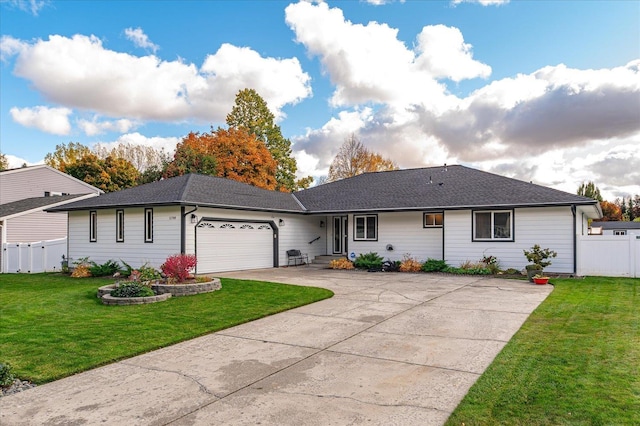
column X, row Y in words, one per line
column 547, row 91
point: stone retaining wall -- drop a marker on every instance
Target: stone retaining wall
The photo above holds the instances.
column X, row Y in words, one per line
column 187, row 289
column 107, row 299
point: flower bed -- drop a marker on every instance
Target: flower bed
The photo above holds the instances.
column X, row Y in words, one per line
column 162, row 292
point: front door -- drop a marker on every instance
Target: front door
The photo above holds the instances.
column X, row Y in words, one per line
column 340, row 235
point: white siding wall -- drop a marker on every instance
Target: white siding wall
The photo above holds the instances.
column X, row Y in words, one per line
column 33, row 182
column 551, row 227
column 36, row 226
column 403, row 230
column 134, row 251
column 297, row 232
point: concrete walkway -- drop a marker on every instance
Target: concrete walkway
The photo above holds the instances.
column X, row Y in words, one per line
column 388, row 348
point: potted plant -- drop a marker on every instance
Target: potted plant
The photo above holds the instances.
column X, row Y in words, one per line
column 540, row 279
column 538, row 258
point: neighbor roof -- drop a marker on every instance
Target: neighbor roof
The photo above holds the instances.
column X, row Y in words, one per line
column 431, row 188
column 411, row 189
column 193, row 189
column 616, row 225
column 21, row 206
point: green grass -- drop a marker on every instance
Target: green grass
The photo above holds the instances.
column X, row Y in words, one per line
column 576, row 361
column 52, row 326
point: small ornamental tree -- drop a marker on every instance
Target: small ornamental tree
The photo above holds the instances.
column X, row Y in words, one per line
column 179, row 266
column 538, row 256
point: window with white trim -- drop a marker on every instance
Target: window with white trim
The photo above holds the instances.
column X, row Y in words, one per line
column 93, row 226
column 119, row 226
column 493, row 225
column 148, row 225
column 433, row 220
column 366, row 228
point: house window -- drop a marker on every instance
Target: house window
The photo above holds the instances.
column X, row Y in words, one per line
column 366, row 228
column 148, row 225
column 493, row 225
column 433, row 220
column 93, row 226
column 119, row 226
column 620, row 232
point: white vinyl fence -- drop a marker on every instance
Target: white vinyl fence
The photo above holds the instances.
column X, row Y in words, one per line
column 609, row 255
column 41, row 256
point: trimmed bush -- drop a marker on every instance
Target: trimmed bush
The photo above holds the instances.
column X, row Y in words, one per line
column 179, row 266
column 342, row 263
column 434, row 265
column 369, row 260
column 131, row 289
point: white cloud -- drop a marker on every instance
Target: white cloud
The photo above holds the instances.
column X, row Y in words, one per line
column 482, row 2
column 168, row 144
column 97, row 127
column 368, row 63
column 79, row 72
column 10, row 47
column 32, row 6
column 16, row 162
column 444, row 54
column 140, row 39
column 49, row 120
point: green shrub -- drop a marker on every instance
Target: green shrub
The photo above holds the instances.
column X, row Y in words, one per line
column 6, row 376
column 434, row 265
column 492, row 264
column 149, row 273
column 110, row 267
column 369, row 260
column 131, row 289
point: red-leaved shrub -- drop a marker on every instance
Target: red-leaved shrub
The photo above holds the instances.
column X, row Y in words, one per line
column 179, row 266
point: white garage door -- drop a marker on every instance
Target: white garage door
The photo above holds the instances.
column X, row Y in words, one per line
column 233, row 246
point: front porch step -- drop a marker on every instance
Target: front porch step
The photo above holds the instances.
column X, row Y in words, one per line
column 325, row 259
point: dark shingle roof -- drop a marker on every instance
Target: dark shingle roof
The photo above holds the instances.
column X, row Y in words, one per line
column 27, row 204
column 616, row 225
column 192, row 189
column 430, row 188
column 426, row 188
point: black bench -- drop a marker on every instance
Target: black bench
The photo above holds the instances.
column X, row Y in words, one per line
column 297, row 258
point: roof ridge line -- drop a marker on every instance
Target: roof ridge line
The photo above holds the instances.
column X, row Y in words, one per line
column 299, row 202
column 185, row 187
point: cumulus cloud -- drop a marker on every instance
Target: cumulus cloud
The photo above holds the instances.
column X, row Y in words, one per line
column 31, row 6
column 368, row 63
column 140, row 39
column 49, row 120
column 443, row 53
column 96, row 127
column 16, row 162
column 10, row 47
column 79, row 72
column 168, row 144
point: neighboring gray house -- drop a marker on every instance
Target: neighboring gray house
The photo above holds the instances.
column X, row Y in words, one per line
column 453, row 213
column 24, row 195
column 614, row 228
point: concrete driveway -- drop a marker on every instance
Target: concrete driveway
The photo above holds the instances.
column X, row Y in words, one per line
column 388, row 348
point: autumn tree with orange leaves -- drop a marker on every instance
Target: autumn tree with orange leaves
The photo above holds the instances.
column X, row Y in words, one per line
column 238, row 155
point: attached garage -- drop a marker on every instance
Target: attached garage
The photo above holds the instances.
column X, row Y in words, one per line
column 234, row 245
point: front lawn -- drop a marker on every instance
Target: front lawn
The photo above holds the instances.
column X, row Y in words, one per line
column 576, row 361
column 53, row 326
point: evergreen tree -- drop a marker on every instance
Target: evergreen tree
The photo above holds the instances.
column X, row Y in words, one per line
column 590, row 190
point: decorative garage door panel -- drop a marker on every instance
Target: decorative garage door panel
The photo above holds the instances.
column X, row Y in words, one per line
column 233, row 246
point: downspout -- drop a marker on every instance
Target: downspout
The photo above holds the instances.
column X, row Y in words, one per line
column 575, row 241
column 183, row 228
